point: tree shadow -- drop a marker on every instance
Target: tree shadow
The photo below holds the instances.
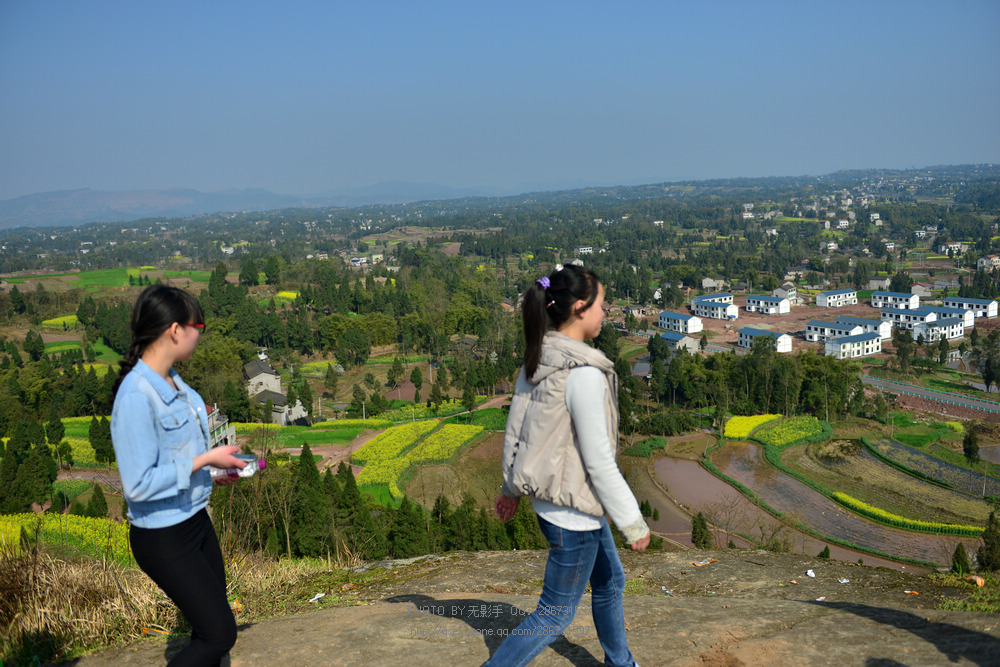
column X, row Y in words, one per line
column 493, row 621
column 953, row 641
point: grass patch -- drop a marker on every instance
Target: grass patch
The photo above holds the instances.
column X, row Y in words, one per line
column 646, row 447
column 60, row 346
column 490, row 419
column 982, row 599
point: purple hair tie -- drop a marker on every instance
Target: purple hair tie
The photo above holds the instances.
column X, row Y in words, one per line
column 544, row 282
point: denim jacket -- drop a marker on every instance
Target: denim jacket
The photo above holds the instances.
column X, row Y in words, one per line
column 157, row 431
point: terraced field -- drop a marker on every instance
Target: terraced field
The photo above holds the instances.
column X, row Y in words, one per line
column 745, row 463
column 973, row 483
column 866, row 478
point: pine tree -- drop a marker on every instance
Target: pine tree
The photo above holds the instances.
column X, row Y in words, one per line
column 409, row 533
column 701, row 536
column 15, row 454
column 311, row 519
column 825, row 553
column 989, row 552
column 97, row 506
column 33, row 483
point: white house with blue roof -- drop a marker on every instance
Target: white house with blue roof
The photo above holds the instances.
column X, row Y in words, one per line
column 718, row 306
column 948, row 328
column 676, row 341
column 679, row 322
column 849, row 347
column 820, row 330
column 979, row 307
column 782, row 341
column 768, row 305
column 906, row 318
column 837, row 298
column 883, row 329
column 967, row 316
column 902, row 300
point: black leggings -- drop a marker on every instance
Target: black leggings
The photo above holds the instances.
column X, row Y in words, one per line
column 186, row 562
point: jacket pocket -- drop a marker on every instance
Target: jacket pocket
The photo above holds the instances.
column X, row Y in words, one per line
column 175, row 433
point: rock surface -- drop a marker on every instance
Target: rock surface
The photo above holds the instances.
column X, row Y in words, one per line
column 742, row 609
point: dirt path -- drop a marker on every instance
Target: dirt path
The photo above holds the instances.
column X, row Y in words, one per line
column 741, row 610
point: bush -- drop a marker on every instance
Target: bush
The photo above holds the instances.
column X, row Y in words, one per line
column 960, row 560
column 825, row 553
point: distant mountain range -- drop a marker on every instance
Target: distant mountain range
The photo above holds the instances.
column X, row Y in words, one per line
column 76, row 207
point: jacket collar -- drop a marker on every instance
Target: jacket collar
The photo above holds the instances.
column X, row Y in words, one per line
column 163, row 388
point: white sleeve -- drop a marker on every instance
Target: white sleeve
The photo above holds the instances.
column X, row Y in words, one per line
column 585, row 389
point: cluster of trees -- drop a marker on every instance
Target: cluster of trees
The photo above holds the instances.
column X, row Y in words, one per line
column 293, row 510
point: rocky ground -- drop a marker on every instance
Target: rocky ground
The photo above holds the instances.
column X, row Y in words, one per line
column 745, row 608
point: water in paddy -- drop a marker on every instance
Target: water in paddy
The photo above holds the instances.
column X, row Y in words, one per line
column 745, row 464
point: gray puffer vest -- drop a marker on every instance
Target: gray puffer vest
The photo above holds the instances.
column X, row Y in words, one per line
column 541, row 456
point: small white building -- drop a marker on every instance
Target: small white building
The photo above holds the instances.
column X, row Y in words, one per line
column 967, row 316
column 679, row 322
column 782, row 341
column 768, row 305
column 676, row 341
column 955, row 247
column 850, row 347
column 907, row 318
column 883, row 329
column 949, row 328
column 837, row 298
column 585, row 250
column 903, row 300
column 718, row 310
column 979, row 307
column 820, row 330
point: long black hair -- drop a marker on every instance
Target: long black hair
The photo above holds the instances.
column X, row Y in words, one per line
column 550, row 300
column 156, row 309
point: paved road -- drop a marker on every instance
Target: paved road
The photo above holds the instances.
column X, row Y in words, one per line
column 940, row 396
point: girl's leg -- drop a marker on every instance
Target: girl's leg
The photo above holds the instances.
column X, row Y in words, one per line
column 186, row 562
column 607, row 584
column 571, row 558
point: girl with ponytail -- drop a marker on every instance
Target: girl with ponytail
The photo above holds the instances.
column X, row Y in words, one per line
column 559, row 450
column 159, row 428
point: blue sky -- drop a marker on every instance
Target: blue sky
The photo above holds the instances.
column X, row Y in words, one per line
column 311, row 97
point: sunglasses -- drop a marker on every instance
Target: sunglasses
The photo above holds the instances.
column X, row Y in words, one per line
column 199, row 327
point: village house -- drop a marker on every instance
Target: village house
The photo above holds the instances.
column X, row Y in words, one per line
column 903, row 300
column 849, row 347
column 883, row 329
column 949, row 328
column 718, row 306
column 767, row 305
column 787, row 291
column 923, row 290
column 967, row 316
column 920, row 233
column 954, row 247
column 713, row 283
column 220, row 431
column 837, row 298
column 907, row 318
column 676, row 341
column 679, row 322
column 262, row 384
column 585, row 250
column 988, row 263
column 979, row 307
column 878, row 284
column 782, row 341
column 821, row 330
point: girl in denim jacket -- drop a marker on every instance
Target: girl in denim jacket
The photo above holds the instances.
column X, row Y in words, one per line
column 159, row 428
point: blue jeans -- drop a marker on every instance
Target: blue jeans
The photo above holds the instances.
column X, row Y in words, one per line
column 575, row 557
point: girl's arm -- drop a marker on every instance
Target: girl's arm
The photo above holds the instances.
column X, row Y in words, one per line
column 585, row 389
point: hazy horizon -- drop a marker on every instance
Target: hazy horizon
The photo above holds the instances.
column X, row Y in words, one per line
column 309, row 98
